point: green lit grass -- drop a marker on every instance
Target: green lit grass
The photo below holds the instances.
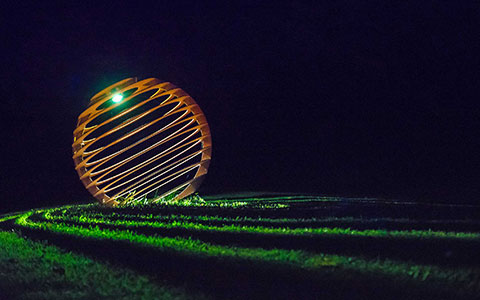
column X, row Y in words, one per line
column 272, row 249
column 326, row 231
column 404, row 274
column 45, row 272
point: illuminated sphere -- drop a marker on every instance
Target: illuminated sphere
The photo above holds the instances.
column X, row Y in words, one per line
column 141, row 140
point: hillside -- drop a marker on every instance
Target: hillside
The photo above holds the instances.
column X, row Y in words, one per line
column 275, row 247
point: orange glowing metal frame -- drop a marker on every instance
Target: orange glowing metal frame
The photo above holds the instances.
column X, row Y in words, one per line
column 156, row 138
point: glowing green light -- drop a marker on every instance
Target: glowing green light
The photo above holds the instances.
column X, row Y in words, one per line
column 117, row 98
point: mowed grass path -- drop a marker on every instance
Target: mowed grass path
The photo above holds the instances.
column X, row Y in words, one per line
column 282, row 247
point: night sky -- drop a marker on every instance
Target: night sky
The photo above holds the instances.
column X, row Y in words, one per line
column 347, row 98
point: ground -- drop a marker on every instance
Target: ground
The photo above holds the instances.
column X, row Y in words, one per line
column 243, row 247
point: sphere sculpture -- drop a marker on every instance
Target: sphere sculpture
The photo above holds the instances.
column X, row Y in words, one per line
column 141, row 140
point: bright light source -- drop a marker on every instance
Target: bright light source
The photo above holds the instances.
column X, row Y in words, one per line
column 117, row 98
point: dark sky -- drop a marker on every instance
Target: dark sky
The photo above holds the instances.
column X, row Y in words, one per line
column 351, row 98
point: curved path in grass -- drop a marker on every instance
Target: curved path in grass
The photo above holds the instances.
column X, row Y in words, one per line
column 277, row 247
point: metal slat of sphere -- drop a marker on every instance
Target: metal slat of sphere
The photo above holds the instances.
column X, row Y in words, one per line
column 141, row 140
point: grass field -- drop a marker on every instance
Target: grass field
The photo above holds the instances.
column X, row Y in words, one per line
column 237, row 247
